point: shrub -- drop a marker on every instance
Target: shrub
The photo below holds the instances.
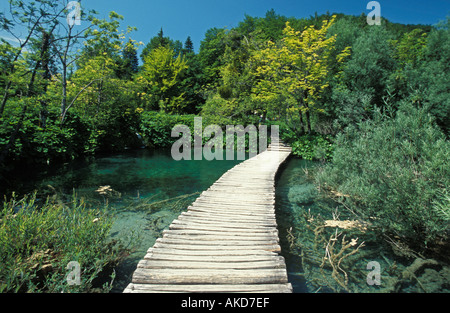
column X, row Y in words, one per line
column 392, row 172
column 156, row 127
column 313, row 147
column 39, row 241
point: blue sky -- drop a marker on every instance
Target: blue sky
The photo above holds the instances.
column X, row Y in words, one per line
column 182, row 18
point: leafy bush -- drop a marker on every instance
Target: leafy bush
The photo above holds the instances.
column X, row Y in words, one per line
column 156, row 127
column 39, row 241
column 40, row 140
column 391, row 172
column 313, row 147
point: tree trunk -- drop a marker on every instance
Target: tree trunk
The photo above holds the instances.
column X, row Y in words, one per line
column 308, row 121
column 5, row 98
column 64, row 94
column 302, row 124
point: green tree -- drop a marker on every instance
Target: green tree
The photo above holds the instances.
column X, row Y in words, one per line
column 188, row 45
column 162, row 71
column 129, row 64
column 212, row 48
column 296, row 71
column 161, row 41
column 371, row 64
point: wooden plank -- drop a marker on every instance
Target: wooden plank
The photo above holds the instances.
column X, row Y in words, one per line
column 160, row 255
column 236, row 204
column 221, row 234
column 215, row 247
column 256, row 288
column 230, row 216
column 222, row 224
column 230, row 191
column 209, row 276
column 229, row 242
column 211, row 253
column 267, row 230
column 249, row 198
column 205, row 236
column 223, row 219
column 206, row 208
column 248, row 194
column 160, row 264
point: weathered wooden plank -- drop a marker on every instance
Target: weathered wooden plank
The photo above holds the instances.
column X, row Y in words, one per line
column 160, row 255
column 222, row 224
column 234, row 204
column 209, row 276
column 205, row 236
column 230, row 216
column 210, row 253
column 216, row 247
column 233, row 188
column 203, row 207
column 220, row 221
column 222, row 234
column 217, row 242
column 177, row 264
column 256, row 288
column 199, row 226
column 269, row 193
column 248, row 198
column 207, row 219
column 248, row 195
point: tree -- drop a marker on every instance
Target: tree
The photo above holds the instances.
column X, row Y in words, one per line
column 371, row 64
column 295, row 72
column 410, row 48
column 421, row 76
column 129, row 64
column 40, row 16
column 162, row 73
column 212, row 48
column 189, row 45
column 161, row 41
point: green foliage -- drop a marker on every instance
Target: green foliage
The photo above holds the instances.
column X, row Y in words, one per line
column 295, row 71
column 391, row 171
column 41, row 140
column 39, row 241
column 423, row 79
column 371, row 63
column 161, row 41
column 162, row 71
column 156, row 127
column 313, row 147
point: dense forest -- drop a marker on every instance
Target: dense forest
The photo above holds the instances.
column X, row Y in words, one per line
column 371, row 102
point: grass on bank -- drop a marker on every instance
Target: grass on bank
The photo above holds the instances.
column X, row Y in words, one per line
column 39, row 240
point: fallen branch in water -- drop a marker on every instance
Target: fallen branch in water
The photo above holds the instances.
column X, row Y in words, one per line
column 182, row 197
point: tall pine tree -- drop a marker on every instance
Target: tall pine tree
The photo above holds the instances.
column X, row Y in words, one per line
column 130, row 62
column 188, row 45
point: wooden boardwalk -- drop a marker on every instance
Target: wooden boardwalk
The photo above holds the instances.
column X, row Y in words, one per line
column 227, row 241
